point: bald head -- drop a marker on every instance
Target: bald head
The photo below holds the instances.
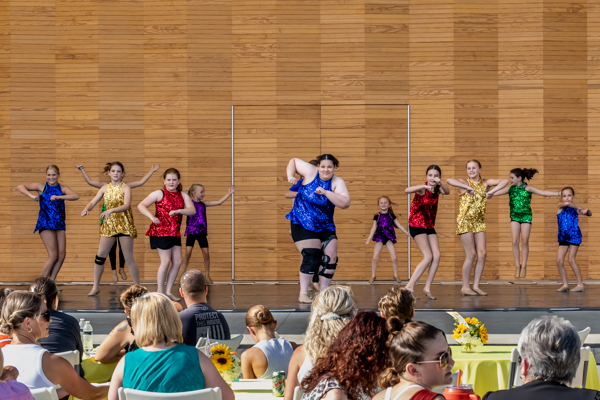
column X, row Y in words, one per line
column 193, row 284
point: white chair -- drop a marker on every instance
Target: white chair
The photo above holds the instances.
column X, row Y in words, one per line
column 204, row 394
column 583, row 335
column 514, row 378
column 298, row 393
column 48, row 393
column 71, row 356
column 232, row 343
column 201, row 343
column 581, row 374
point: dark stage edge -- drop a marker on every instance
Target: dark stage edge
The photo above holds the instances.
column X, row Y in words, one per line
column 240, row 296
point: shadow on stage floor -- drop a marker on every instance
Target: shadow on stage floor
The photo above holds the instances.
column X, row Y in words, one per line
column 240, row 296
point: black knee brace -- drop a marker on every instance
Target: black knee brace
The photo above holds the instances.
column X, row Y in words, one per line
column 328, row 269
column 311, row 260
column 100, row 260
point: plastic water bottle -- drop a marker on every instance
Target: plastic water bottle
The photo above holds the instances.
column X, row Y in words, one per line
column 81, row 325
column 88, row 337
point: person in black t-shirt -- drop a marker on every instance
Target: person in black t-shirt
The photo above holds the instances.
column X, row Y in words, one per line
column 200, row 319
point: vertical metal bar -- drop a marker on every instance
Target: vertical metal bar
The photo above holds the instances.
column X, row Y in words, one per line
column 232, row 207
column 408, row 157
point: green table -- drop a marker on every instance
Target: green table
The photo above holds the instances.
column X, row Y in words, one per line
column 488, row 369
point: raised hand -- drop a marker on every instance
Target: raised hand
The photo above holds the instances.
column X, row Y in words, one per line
column 155, row 168
column 231, row 190
column 437, row 180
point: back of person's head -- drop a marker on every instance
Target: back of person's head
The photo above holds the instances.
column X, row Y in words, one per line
column 3, row 294
column 331, row 311
column 407, row 343
column 128, row 296
column 551, row 347
column 355, row 358
column 260, row 317
column 397, row 302
column 193, row 283
column 155, row 320
column 17, row 306
column 46, row 288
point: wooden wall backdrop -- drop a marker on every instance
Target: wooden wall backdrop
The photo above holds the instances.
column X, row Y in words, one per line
column 510, row 83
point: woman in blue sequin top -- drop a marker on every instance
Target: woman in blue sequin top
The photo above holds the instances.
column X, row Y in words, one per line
column 51, row 218
column 313, row 229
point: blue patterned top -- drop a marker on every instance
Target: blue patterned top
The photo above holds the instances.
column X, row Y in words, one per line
column 312, row 211
column 52, row 213
column 568, row 226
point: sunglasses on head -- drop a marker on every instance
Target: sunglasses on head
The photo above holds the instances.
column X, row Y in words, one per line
column 45, row 314
column 443, row 359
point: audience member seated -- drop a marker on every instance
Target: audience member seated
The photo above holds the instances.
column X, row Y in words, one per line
column 398, row 302
column 27, row 318
column 199, row 319
column 420, row 359
column 163, row 364
column 64, row 329
column 550, row 351
column 10, row 389
column 269, row 354
column 4, row 336
column 121, row 339
column 354, row 360
column 332, row 309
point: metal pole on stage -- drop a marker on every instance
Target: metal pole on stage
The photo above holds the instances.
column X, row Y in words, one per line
column 408, row 157
column 232, row 207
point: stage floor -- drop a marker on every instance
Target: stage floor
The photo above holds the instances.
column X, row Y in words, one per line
column 240, row 296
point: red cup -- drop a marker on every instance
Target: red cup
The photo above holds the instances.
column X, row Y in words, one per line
column 461, row 392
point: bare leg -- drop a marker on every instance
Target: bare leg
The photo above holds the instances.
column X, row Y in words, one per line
column 560, row 263
column 126, row 244
column 515, row 231
column 122, row 262
column 468, row 242
column 175, row 264
column 103, row 249
column 50, row 242
column 206, row 256
column 163, row 269
column 376, row 252
column 186, row 259
column 392, row 250
column 525, row 232
column 573, row 264
column 480, row 245
column 331, row 251
column 425, row 249
column 305, row 279
column 435, row 262
column 61, row 241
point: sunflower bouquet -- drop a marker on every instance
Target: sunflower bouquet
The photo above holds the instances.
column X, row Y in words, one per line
column 226, row 361
column 469, row 333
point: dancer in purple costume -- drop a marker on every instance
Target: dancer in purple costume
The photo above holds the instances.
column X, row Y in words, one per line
column 383, row 233
column 196, row 229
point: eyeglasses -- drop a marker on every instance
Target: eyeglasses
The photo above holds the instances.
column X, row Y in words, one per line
column 442, row 360
column 45, row 314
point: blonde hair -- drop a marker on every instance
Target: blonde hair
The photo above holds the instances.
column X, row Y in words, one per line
column 331, row 310
column 259, row 316
column 18, row 306
column 193, row 188
column 397, row 302
column 54, row 167
column 154, row 320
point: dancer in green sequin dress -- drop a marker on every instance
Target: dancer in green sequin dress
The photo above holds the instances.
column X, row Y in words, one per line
column 520, row 213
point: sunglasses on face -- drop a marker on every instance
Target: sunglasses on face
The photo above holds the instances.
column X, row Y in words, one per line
column 443, row 359
column 45, row 314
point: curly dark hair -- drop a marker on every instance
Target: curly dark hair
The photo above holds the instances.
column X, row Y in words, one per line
column 356, row 358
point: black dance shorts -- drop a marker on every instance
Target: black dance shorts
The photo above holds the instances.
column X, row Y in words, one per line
column 299, row 233
column 565, row 243
column 420, row 231
column 521, row 222
column 164, row 242
column 190, row 240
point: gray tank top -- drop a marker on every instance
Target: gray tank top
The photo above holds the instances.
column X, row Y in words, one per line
column 278, row 352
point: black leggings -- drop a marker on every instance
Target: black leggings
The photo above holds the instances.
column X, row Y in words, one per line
column 112, row 255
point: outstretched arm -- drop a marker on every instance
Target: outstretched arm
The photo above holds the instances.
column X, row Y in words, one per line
column 218, row 203
column 539, row 192
column 373, row 229
column 498, row 183
column 417, row 189
column 399, row 226
column 90, row 182
column 26, row 188
column 459, row 183
column 139, row 183
column 68, row 195
column 501, row 192
column 95, row 200
column 296, row 165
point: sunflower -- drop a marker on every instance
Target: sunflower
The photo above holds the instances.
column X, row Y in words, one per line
column 220, row 355
column 483, row 334
column 472, row 321
column 221, row 349
column 458, row 332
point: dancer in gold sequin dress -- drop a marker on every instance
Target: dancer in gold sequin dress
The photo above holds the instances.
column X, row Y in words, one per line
column 116, row 223
column 470, row 222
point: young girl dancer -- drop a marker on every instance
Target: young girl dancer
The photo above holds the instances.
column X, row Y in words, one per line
column 51, row 218
column 421, row 225
column 470, row 222
column 196, row 230
column 112, row 255
column 164, row 232
column 116, row 223
column 519, row 193
column 383, row 233
column 569, row 237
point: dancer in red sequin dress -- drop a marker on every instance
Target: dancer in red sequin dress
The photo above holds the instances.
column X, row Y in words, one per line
column 165, row 230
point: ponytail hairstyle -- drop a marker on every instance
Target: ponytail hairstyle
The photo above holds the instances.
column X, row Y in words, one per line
column 54, row 167
column 322, row 157
column 193, row 188
column 17, row 306
column 524, row 173
column 259, row 316
column 314, row 162
column 407, row 343
column 109, row 165
column 390, row 209
column 568, row 188
column 436, row 191
column 46, row 288
column 174, row 171
column 397, row 302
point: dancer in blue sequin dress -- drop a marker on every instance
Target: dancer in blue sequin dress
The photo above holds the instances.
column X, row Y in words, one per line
column 569, row 237
column 312, row 226
column 51, row 218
